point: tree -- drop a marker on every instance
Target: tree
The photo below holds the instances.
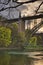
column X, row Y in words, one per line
column 33, row 41
column 19, row 4
column 18, row 38
column 27, row 34
column 5, row 36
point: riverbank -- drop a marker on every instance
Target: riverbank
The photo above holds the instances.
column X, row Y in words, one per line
column 34, row 48
column 26, row 49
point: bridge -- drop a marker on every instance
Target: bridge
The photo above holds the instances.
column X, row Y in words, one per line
column 34, row 29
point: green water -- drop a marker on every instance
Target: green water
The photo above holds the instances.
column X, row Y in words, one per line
column 11, row 58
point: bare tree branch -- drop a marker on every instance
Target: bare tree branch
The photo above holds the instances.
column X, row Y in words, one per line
column 31, row 1
column 9, row 7
column 23, row 18
column 40, row 12
column 39, row 7
column 21, row 3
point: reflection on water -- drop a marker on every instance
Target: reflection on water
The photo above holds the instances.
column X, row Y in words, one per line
column 13, row 59
column 39, row 62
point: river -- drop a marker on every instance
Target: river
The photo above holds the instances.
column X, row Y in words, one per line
column 21, row 58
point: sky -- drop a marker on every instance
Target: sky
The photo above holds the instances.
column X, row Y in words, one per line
column 26, row 9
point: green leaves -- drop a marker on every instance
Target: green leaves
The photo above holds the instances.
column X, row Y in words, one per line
column 33, row 41
column 5, row 36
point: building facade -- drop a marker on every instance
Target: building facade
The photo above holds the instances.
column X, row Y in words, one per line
column 29, row 24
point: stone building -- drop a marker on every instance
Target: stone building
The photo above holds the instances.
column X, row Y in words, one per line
column 29, row 24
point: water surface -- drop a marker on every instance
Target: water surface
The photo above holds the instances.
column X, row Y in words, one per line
column 25, row 58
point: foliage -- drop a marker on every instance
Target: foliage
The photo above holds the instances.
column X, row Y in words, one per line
column 22, row 38
column 2, row 18
column 39, row 40
column 5, row 36
column 12, row 37
column 33, row 41
column 14, row 32
column 28, row 35
column 18, row 38
column 15, row 27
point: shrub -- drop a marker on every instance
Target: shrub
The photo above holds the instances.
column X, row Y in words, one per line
column 5, row 36
column 33, row 41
